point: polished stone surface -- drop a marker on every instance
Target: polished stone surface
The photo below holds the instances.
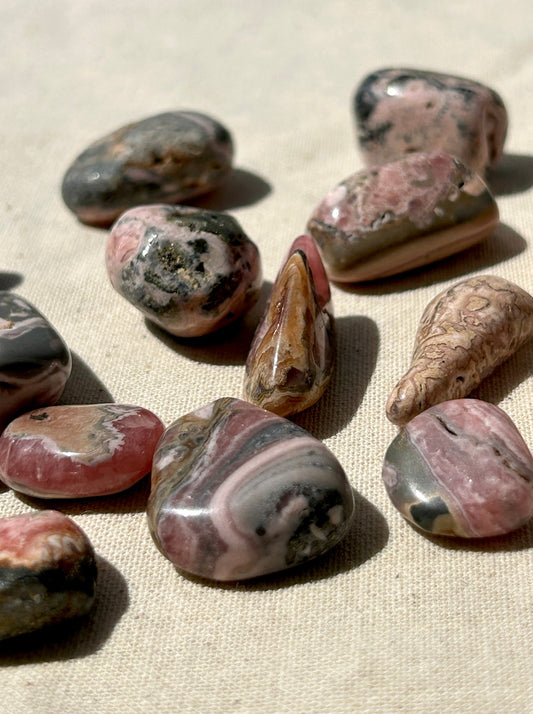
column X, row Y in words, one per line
column 188, row 270
column 400, row 110
column 47, row 572
column 461, row 468
column 464, row 333
column 170, row 157
column 35, row 363
column 399, row 216
column 238, row 492
column 291, row 357
column 78, row 451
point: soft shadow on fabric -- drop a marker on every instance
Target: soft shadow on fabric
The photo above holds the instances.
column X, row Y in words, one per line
column 83, row 386
column 512, row 174
column 240, row 188
column 357, row 340
column 8, row 281
column 503, row 244
column 367, row 536
column 228, row 346
column 75, row 638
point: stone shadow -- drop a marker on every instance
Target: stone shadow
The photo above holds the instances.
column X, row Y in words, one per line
column 520, row 539
column 78, row 637
column 228, row 346
column 241, row 188
column 367, row 536
column 512, row 174
column 503, row 244
column 8, row 281
column 83, row 386
column 357, row 339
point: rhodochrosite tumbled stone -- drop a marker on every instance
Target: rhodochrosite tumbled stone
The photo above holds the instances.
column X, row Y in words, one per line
column 78, row 451
column 47, row 572
column 188, row 270
column 461, row 468
column 35, row 363
column 401, row 215
column 170, row 157
column 239, row 492
column 291, row 357
column 465, row 332
column 399, row 111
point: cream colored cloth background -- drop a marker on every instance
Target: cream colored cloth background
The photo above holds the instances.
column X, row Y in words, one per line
column 390, row 621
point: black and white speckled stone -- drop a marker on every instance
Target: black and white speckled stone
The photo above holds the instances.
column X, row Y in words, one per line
column 169, row 158
column 188, row 270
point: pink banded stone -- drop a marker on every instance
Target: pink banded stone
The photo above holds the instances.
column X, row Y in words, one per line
column 78, row 451
column 388, row 219
column 399, row 111
column 47, row 572
column 238, row 492
column 461, row 468
column 291, row 357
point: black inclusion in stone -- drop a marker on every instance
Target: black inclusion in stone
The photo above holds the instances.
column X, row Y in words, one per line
column 424, row 515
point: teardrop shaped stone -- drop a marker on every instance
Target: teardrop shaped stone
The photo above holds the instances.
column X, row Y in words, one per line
column 396, row 217
column 291, row 357
column 188, row 270
column 238, row 492
column 399, row 111
column 78, row 451
column 464, row 333
column 461, row 468
column 47, row 572
column 35, row 362
column 169, row 158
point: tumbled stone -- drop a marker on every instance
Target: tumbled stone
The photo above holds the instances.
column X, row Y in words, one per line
column 238, row 492
column 35, row 363
column 171, row 158
column 461, row 468
column 291, row 357
column 465, row 332
column 399, row 216
column 47, row 572
column 78, row 451
column 188, row 270
column 399, row 111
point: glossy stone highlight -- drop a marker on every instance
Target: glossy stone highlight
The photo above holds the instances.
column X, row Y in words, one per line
column 238, row 492
column 188, row 270
column 47, row 572
column 399, row 111
column 291, row 357
column 465, row 332
column 400, row 216
column 35, row 363
column 78, row 451
column 461, row 468
column 169, row 158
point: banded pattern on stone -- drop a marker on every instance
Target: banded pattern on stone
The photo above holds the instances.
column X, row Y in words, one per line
column 461, row 468
column 238, row 492
column 291, row 357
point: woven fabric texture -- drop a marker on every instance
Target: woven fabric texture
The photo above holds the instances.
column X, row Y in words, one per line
column 390, row 621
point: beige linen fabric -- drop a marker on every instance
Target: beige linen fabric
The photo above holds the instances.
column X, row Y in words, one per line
column 391, row 621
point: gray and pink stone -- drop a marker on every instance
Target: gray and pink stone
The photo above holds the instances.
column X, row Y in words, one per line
column 399, row 111
column 404, row 214
column 188, row 270
column 35, row 362
column 461, row 468
column 170, row 157
column 47, row 572
column 239, row 492
column 290, row 361
column 78, row 451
